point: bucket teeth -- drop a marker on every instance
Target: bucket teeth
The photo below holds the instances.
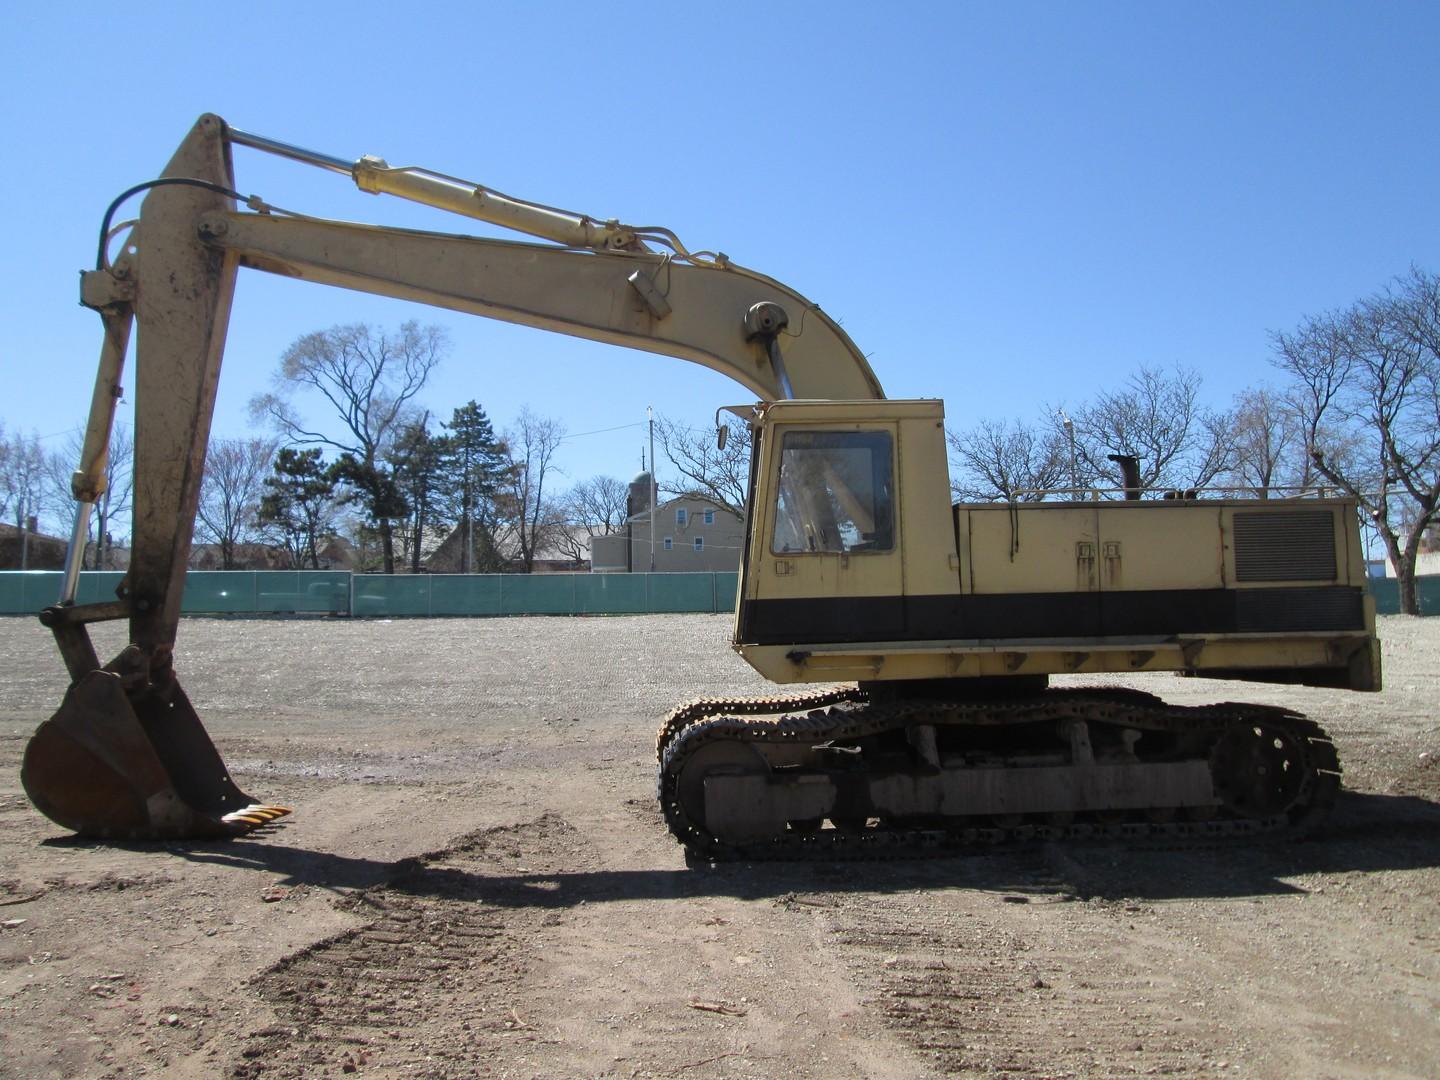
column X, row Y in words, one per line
column 255, row 816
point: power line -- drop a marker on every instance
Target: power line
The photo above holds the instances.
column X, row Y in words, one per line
column 601, row 431
column 54, row 434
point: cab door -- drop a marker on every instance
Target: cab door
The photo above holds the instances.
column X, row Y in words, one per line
column 825, row 558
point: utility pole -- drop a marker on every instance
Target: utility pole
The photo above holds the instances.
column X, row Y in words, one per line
column 654, row 484
column 1069, row 426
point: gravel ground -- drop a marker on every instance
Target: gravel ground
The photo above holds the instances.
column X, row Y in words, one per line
column 476, row 882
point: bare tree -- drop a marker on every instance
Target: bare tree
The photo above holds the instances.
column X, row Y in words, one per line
column 22, row 486
column 369, row 377
column 5, row 452
column 1007, row 460
column 1156, row 418
column 1269, row 445
column 119, row 489
column 230, row 494
column 600, row 503
column 704, row 468
column 1368, row 390
column 58, row 470
column 114, row 503
column 594, row 507
column 534, row 516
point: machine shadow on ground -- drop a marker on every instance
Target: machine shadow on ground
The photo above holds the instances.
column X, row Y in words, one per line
column 1367, row 833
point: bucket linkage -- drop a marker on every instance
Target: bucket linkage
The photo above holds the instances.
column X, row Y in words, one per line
column 125, row 756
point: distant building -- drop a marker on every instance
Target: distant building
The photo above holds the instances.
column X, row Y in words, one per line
column 1426, row 563
column 564, row 550
column 448, row 556
column 335, row 553
column 691, row 532
column 1427, row 559
column 36, row 550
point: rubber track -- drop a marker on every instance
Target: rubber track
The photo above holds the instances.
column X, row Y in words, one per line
column 859, row 719
column 701, row 708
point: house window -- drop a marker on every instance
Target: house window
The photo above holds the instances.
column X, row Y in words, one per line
column 681, row 517
column 709, row 517
column 669, row 542
column 699, row 543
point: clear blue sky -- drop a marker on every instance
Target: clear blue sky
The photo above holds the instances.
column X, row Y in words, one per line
column 1007, row 205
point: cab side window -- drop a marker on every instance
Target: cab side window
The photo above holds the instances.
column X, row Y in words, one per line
column 835, row 492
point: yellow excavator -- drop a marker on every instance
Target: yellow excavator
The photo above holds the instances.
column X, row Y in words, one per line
column 932, row 627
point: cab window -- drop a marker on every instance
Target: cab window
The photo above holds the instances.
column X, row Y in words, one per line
column 835, row 492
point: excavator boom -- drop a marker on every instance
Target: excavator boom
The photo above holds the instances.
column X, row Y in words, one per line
column 126, row 754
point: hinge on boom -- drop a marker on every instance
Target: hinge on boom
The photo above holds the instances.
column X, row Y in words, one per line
column 653, row 297
column 765, row 321
column 101, row 290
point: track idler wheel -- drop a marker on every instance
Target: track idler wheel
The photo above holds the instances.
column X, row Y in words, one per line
column 115, row 766
column 1264, row 769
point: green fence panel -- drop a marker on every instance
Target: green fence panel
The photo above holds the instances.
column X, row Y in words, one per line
column 537, row 594
column 21, row 590
column 376, row 595
column 681, row 592
column 610, row 594
column 25, row 592
column 96, row 586
column 41, row 588
column 12, row 594
column 1387, row 594
column 383, row 595
column 465, row 594
column 284, row 591
column 325, row 590
column 277, row 591
column 219, row 592
column 727, row 590
column 541, row 594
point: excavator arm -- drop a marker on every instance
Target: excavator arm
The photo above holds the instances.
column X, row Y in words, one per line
column 126, row 754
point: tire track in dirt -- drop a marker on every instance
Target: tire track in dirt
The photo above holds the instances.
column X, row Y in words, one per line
column 430, row 986
column 1025, row 984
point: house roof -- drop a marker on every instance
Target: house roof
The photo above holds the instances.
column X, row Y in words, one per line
column 691, row 497
column 11, row 530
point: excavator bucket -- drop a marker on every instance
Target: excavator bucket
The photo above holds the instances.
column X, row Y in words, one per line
column 116, row 766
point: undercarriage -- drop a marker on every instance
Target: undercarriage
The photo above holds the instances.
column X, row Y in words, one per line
column 854, row 773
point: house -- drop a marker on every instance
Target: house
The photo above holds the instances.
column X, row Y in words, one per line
column 336, row 553
column 1426, row 563
column 36, row 550
column 1427, row 559
column 691, row 532
column 564, row 549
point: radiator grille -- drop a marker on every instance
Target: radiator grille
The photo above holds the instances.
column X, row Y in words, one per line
column 1287, row 545
column 1281, row 610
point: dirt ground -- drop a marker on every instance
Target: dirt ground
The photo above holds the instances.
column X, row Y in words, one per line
column 476, row 882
